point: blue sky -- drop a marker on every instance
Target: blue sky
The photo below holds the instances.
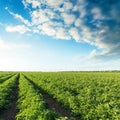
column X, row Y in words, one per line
column 50, row 35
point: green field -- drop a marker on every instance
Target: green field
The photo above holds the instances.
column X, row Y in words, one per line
column 60, row 96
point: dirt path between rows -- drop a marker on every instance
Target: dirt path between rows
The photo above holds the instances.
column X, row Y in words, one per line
column 10, row 114
column 52, row 103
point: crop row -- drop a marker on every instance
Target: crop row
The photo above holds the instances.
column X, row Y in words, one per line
column 3, row 74
column 5, row 90
column 6, row 77
column 31, row 104
column 87, row 95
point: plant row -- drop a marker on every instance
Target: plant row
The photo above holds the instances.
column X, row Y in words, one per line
column 87, row 95
column 31, row 104
column 4, row 74
column 5, row 77
column 5, row 90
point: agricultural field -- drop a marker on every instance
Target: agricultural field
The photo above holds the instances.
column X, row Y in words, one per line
column 60, row 96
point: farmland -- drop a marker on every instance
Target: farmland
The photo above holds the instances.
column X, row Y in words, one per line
column 60, row 96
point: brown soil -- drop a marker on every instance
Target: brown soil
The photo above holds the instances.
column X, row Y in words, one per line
column 9, row 114
column 52, row 103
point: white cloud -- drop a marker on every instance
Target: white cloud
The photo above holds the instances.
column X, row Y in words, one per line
column 35, row 3
column 65, row 20
column 80, row 7
column 74, row 33
column 19, row 17
column 54, row 3
column 3, row 45
column 39, row 17
column 51, row 14
column 78, row 22
column 26, row 22
column 67, row 6
column 68, row 18
column 18, row 28
column 47, row 29
column 92, row 54
column 62, row 34
column 11, row 46
column 97, row 13
column 82, row 10
column 75, row 8
column 87, row 35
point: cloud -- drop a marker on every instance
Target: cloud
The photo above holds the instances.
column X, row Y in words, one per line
column 68, row 18
column 18, row 28
column 19, row 17
column 34, row 3
column 78, row 22
column 62, row 34
column 74, row 33
column 39, row 17
column 47, row 29
column 67, row 6
column 11, row 46
column 97, row 13
column 96, row 23
column 53, row 3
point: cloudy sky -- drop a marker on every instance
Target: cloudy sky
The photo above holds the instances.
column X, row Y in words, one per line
column 52, row 35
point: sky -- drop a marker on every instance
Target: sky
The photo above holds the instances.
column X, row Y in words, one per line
column 59, row 35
